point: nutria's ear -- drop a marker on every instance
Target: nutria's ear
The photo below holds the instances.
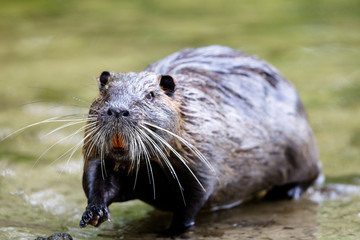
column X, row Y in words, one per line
column 103, row 79
column 167, row 83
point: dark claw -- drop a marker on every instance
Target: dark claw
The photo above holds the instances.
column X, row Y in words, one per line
column 83, row 222
column 94, row 215
column 85, row 219
column 105, row 216
column 99, row 212
column 88, row 216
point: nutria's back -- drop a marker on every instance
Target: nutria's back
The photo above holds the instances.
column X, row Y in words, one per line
column 245, row 117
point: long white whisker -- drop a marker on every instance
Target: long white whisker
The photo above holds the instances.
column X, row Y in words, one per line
column 167, row 162
column 63, row 126
column 102, row 160
column 59, row 141
column 158, row 149
column 94, row 138
column 137, row 160
column 74, row 149
column 189, row 145
column 64, row 154
column 176, row 153
column 49, row 120
column 132, row 146
column 147, row 161
column 93, row 142
column 61, row 156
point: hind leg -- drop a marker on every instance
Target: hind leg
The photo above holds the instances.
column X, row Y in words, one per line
column 288, row 191
column 307, row 168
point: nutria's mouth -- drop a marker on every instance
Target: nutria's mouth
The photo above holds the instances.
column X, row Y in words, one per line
column 118, row 143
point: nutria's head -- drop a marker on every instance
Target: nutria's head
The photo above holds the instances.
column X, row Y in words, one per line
column 130, row 115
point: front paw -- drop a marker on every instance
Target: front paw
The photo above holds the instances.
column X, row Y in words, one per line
column 176, row 228
column 95, row 215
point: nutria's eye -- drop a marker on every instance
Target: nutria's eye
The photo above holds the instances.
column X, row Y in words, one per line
column 150, row 95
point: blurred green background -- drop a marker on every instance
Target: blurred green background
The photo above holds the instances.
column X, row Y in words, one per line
column 51, row 50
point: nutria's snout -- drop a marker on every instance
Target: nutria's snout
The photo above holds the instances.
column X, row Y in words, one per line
column 118, row 124
column 114, row 112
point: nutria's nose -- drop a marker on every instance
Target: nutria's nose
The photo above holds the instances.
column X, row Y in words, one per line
column 118, row 112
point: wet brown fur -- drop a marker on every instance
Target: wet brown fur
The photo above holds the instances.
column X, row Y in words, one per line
column 238, row 111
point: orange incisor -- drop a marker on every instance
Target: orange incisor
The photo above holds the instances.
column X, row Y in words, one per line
column 118, row 142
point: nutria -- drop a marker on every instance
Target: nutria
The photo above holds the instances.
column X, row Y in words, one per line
column 208, row 127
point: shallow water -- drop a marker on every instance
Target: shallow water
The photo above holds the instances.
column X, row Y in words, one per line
column 36, row 204
column 53, row 50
